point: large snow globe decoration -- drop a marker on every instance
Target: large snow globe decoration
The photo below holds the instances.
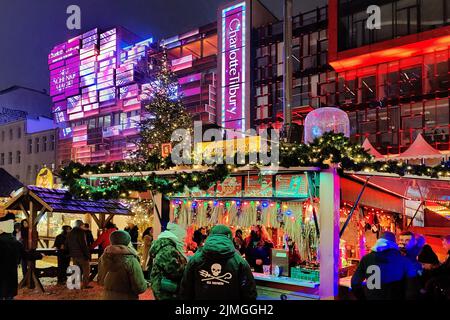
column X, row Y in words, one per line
column 325, row 119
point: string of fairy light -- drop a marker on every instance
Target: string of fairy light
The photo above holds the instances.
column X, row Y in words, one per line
column 331, row 148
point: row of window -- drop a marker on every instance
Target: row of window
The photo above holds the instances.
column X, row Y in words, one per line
column 41, row 144
column 9, row 159
column 398, row 18
column 11, row 135
column 120, row 118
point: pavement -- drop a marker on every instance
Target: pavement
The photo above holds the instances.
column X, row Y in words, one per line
column 53, row 291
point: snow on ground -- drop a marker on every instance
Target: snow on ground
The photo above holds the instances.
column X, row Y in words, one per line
column 53, row 291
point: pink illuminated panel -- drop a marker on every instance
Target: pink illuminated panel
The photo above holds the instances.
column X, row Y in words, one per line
column 91, row 77
column 233, row 66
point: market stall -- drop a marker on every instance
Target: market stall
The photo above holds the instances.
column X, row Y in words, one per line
column 35, row 203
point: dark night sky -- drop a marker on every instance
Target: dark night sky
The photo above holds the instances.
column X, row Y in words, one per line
column 30, row 28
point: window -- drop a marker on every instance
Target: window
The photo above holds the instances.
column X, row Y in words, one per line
column 19, row 133
column 52, row 142
column 36, row 145
column 10, row 134
column 9, row 157
column 30, row 146
column 3, row 135
column 18, row 157
column 2, row 159
column 44, row 144
column 411, row 81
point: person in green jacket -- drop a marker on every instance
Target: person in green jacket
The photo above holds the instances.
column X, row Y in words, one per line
column 120, row 272
column 217, row 271
column 168, row 262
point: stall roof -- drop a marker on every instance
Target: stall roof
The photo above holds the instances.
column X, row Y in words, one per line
column 374, row 195
column 371, row 149
column 8, row 183
column 420, row 149
column 61, row 201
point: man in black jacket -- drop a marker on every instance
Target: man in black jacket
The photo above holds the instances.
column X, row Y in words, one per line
column 438, row 287
column 217, row 271
column 62, row 253
column 79, row 251
column 398, row 278
column 10, row 251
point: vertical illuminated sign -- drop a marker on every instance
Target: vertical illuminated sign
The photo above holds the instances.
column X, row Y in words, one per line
column 233, row 67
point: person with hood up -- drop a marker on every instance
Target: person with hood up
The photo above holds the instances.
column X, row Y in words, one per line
column 217, row 271
column 169, row 261
column 397, row 274
column 120, row 272
column 10, row 252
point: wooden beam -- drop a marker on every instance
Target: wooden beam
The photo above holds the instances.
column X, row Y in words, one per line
column 97, row 221
column 109, row 218
column 41, row 202
column 25, row 212
column 40, row 215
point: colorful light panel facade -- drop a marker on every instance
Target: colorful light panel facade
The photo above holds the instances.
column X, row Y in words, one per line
column 95, row 86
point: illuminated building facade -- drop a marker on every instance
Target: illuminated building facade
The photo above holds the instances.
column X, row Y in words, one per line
column 193, row 56
column 393, row 82
column 95, row 83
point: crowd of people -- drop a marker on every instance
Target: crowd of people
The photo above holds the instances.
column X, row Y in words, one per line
column 403, row 269
column 213, row 264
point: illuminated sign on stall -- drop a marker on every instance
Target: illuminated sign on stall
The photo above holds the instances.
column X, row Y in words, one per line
column 233, row 67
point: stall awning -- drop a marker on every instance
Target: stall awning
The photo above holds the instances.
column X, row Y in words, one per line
column 8, row 183
column 371, row 149
column 373, row 196
column 61, row 201
column 420, row 149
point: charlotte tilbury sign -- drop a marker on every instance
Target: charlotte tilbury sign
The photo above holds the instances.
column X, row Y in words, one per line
column 233, row 66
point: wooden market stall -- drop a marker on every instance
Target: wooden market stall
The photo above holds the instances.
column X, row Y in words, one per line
column 35, row 203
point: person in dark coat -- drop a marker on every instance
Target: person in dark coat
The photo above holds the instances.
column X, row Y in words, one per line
column 258, row 247
column 438, row 287
column 10, row 252
column 89, row 236
column 398, row 275
column 133, row 231
column 239, row 242
column 79, row 251
column 62, row 254
column 217, row 271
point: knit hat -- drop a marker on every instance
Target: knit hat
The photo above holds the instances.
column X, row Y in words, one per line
column 176, row 230
column 120, row 237
column 387, row 235
column 223, row 230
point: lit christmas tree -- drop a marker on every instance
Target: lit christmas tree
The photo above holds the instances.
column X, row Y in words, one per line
column 164, row 112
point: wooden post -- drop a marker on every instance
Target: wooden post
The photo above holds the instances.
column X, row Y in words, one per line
column 31, row 280
column 329, row 234
column 161, row 212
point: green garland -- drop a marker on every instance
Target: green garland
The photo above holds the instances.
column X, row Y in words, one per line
column 331, row 148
